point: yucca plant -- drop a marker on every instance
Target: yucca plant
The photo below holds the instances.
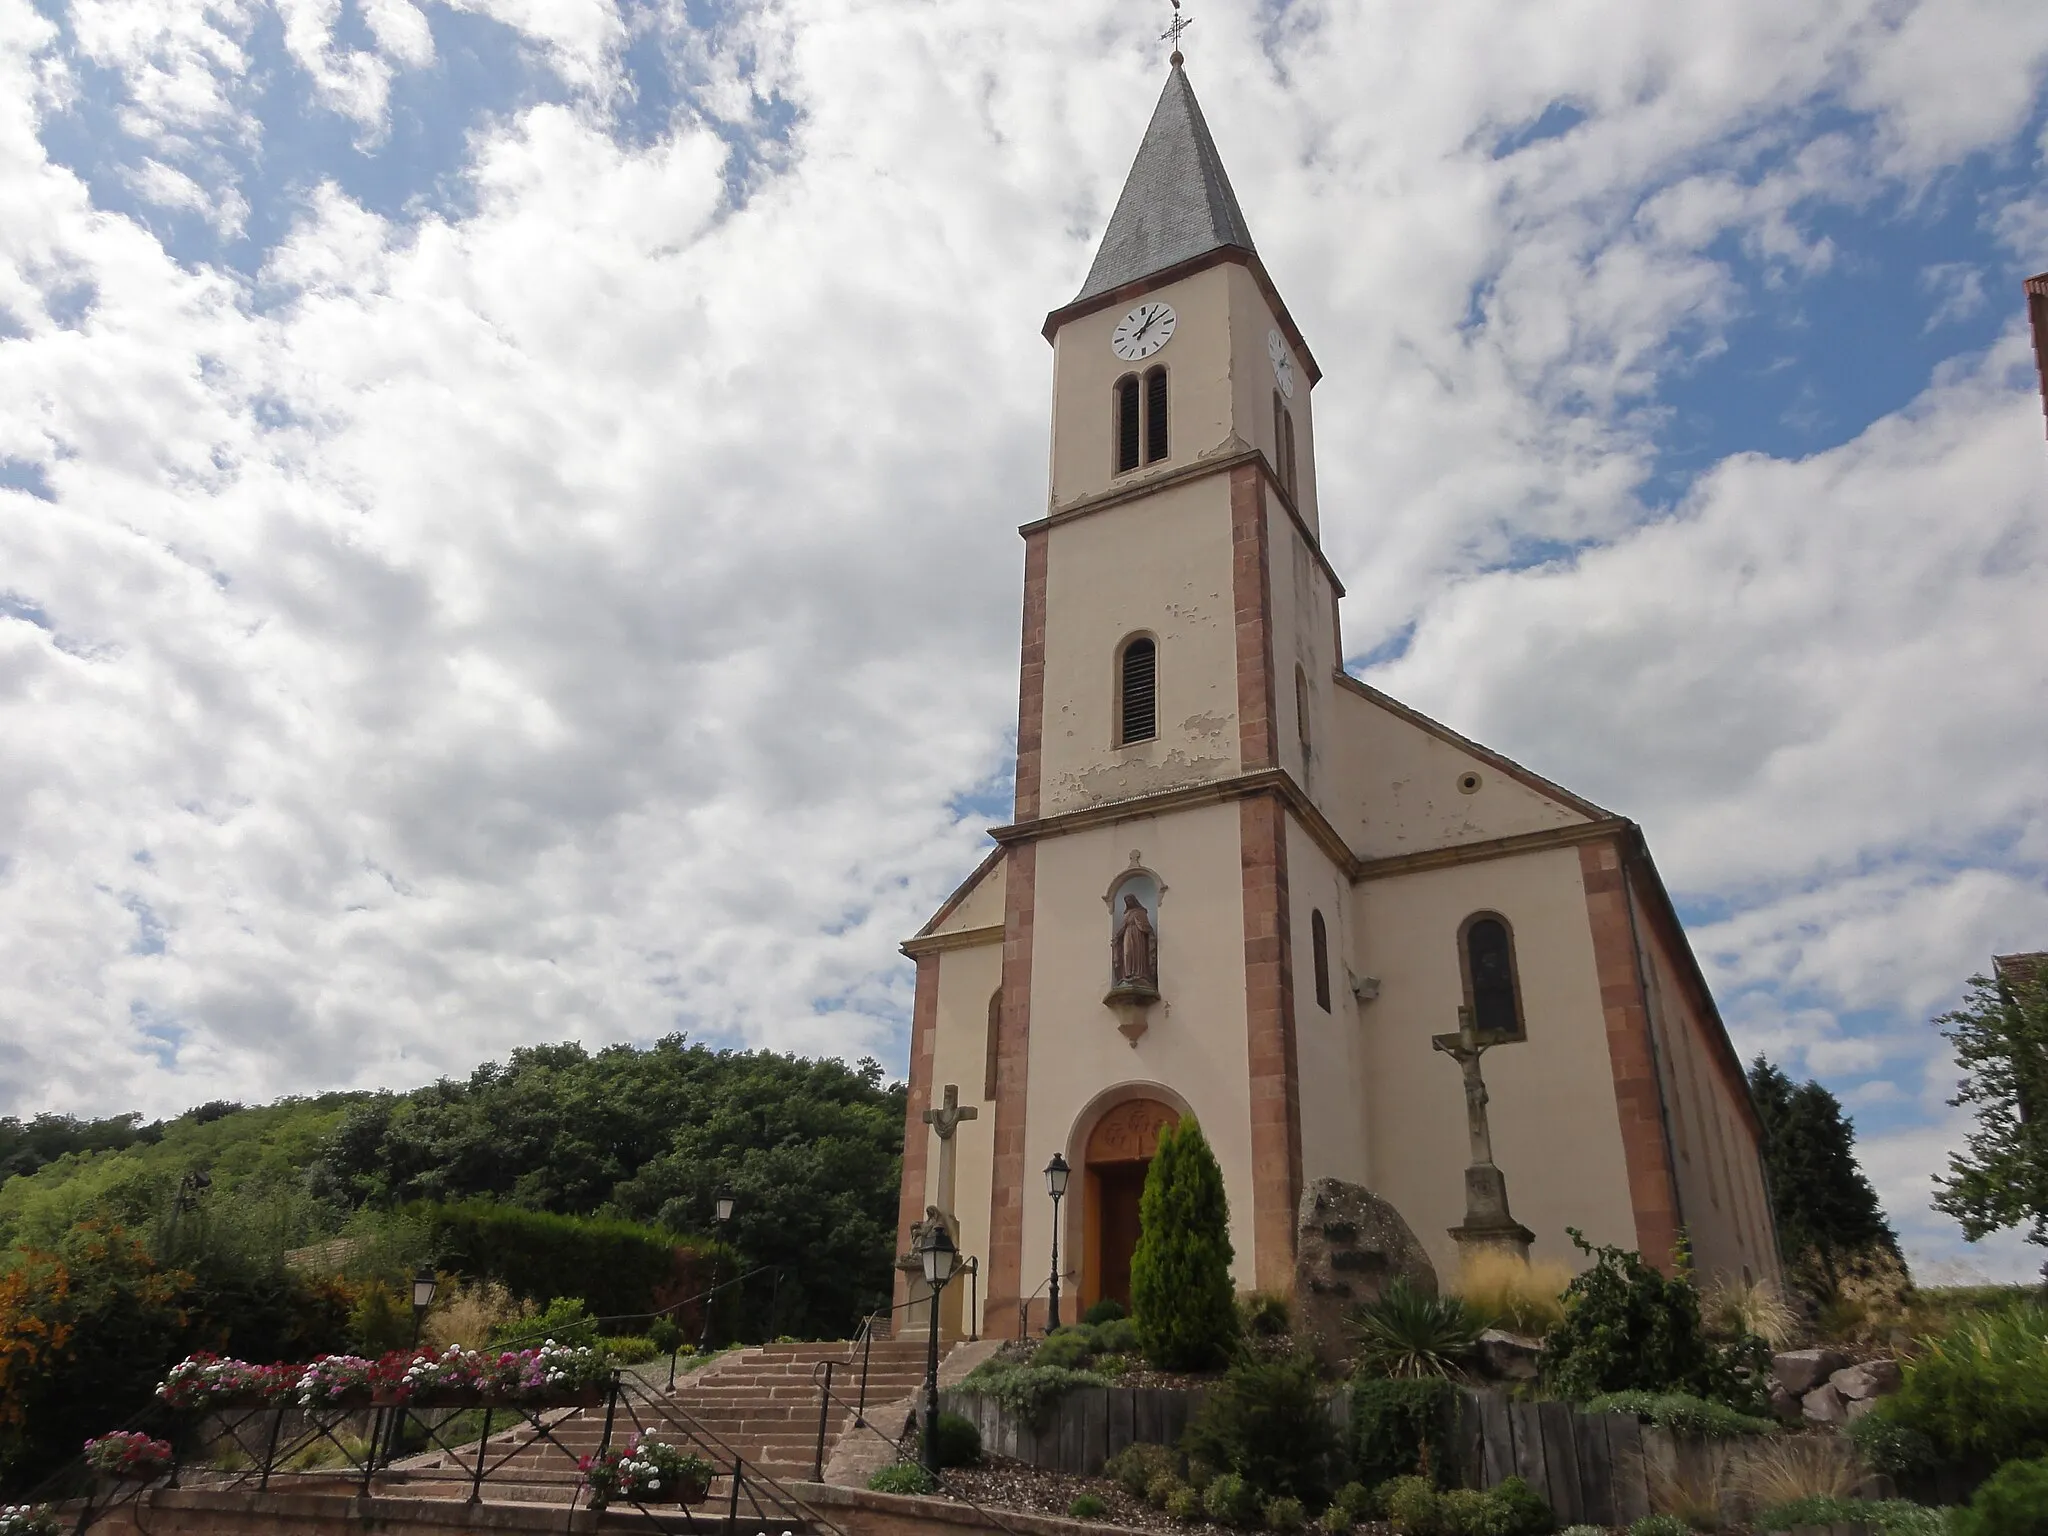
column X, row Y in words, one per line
column 1409, row 1334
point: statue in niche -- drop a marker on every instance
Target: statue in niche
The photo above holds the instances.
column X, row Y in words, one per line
column 1134, row 954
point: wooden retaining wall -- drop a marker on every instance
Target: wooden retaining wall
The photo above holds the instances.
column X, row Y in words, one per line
column 1083, row 1429
column 1592, row 1468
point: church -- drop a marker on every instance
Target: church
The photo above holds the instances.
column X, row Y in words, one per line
column 1241, row 885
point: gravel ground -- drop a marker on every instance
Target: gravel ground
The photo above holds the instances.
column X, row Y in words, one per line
column 1003, row 1484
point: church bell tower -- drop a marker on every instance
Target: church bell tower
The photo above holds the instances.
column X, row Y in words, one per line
column 1179, row 638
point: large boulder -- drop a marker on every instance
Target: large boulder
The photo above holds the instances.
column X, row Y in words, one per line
column 1799, row 1371
column 1509, row 1357
column 1824, row 1405
column 1873, row 1378
column 1350, row 1245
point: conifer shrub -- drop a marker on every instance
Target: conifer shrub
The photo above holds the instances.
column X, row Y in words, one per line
column 1087, row 1507
column 1528, row 1512
column 1136, row 1465
column 1402, row 1428
column 1069, row 1348
column 1285, row 1515
column 2012, row 1502
column 1185, row 1504
column 1107, row 1310
column 1413, row 1506
column 1160, row 1491
column 1357, row 1501
column 1180, row 1271
column 1230, row 1500
column 959, row 1441
column 1334, row 1521
column 1472, row 1512
column 1266, row 1422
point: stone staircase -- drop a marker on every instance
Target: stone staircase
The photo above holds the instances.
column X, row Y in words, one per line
column 761, row 1404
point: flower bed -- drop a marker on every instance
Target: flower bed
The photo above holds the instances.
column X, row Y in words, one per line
column 208, row 1381
column 552, row 1375
column 27, row 1520
column 452, row 1379
column 647, row 1471
column 128, row 1454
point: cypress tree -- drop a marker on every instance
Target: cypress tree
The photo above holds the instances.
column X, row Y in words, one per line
column 1180, row 1274
column 1826, row 1210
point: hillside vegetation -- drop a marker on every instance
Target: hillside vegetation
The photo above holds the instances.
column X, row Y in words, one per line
column 810, row 1148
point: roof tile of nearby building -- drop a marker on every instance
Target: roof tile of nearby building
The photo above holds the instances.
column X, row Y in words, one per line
column 1176, row 204
column 2017, row 969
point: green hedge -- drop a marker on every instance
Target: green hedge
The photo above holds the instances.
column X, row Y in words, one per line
column 619, row 1268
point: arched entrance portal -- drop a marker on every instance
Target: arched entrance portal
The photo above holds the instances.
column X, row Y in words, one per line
column 1119, row 1151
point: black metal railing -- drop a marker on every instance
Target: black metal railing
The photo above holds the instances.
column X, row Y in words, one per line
column 383, row 1448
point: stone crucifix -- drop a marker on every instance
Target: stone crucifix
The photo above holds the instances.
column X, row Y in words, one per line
column 946, row 1120
column 1488, row 1223
column 1465, row 1048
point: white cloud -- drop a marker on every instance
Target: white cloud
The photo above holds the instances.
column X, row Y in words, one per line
column 581, row 615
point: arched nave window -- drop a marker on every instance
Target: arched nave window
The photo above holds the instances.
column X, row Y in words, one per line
column 1486, row 953
column 995, row 1040
column 1319, row 940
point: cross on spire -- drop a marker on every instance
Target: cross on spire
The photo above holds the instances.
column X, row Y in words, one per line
column 1178, row 25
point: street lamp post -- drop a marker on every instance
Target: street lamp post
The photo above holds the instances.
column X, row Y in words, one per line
column 721, row 1213
column 1056, row 1174
column 423, row 1286
column 938, row 1256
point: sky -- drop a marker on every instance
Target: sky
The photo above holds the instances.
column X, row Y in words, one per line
column 508, row 508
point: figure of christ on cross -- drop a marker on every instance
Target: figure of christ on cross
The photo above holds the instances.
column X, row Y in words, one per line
column 1465, row 1048
column 945, row 1120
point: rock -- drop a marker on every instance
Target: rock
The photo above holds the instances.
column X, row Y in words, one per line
column 1350, row 1246
column 1509, row 1356
column 1873, row 1378
column 1784, row 1406
column 1824, row 1405
column 1859, row 1406
column 1799, row 1371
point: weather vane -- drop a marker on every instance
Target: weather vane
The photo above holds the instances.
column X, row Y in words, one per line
column 1173, row 31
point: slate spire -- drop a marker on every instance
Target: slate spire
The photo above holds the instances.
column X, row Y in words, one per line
column 1176, row 203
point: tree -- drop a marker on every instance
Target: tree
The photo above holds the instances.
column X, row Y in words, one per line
column 2000, row 1036
column 1826, row 1210
column 1180, row 1273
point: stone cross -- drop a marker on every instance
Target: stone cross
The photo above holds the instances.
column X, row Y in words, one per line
column 1465, row 1048
column 946, row 1120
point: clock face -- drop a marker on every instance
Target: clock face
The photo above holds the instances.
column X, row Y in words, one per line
column 1142, row 332
column 1283, row 362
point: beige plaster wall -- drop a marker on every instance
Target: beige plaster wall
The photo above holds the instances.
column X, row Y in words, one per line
column 1161, row 564
column 1398, row 787
column 1252, row 386
column 1085, row 371
column 1556, row 1128
column 1719, row 1165
column 967, row 979
column 1195, row 1045
column 1304, row 635
column 982, row 907
column 1328, row 1045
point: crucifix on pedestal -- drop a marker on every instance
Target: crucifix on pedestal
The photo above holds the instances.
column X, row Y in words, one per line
column 1487, row 1222
column 944, row 1121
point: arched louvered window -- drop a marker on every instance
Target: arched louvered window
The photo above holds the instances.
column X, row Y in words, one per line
column 1128, row 423
column 1279, row 438
column 1155, row 415
column 1137, row 690
column 1301, row 707
column 1492, row 990
column 1319, row 939
column 995, row 1039
column 1287, row 436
